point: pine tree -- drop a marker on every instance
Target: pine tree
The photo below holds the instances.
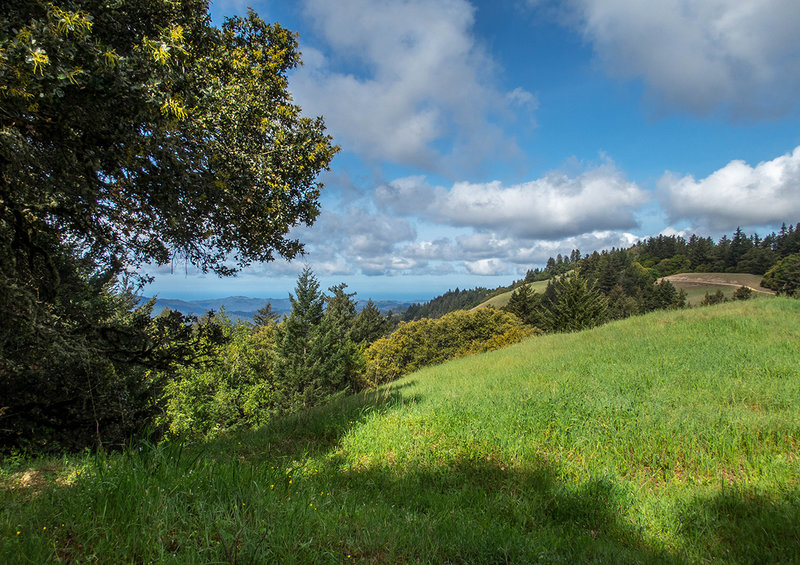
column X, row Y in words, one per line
column 525, row 304
column 335, row 357
column 341, row 308
column 293, row 363
column 661, row 296
column 576, row 306
column 370, row 325
column 265, row 315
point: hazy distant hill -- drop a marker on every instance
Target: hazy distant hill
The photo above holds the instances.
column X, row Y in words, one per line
column 243, row 307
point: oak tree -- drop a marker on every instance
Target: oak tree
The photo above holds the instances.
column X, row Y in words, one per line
column 133, row 133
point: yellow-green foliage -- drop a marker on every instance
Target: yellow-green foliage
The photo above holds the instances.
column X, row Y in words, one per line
column 235, row 389
column 427, row 342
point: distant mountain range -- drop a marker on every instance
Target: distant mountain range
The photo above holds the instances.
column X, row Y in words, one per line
column 244, row 307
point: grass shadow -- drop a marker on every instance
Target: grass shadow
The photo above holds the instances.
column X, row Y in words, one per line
column 312, row 431
column 720, row 524
column 483, row 512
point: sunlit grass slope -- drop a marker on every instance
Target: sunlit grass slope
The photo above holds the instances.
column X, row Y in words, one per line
column 671, row 438
column 502, row 299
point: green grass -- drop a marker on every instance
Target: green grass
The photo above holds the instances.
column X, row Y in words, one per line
column 502, row 299
column 671, row 437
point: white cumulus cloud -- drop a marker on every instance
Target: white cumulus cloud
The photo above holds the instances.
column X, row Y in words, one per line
column 416, row 77
column 701, row 55
column 554, row 206
column 486, row 267
column 737, row 194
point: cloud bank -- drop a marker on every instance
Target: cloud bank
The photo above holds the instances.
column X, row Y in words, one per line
column 737, row 194
column 700, row 55
column 552, row 207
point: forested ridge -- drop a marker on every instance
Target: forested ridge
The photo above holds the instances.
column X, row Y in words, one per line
column 642, row 264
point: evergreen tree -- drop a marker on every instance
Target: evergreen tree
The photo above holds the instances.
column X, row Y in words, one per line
column 293, row 358
column 315, row 353
column 335, row 357
column 576, row 306
column 525, row 304
column 341, row 309
column 662, row 296
column 722, row 255
column 265, row 315
column 370, row 325
column 740, row 244
column 700, row 252
column 620, row 305
column 784, row 277
column 609, row 272
column 756, row 260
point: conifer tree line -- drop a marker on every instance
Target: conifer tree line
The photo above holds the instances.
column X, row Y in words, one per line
column 656, row 257
column 608, row 285
column 450, row 301
column 672, row 254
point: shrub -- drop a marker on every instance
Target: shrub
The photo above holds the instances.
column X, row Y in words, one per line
column 711, row 299
column 784, row 277
column 426, row 342
column 233, row 389
column 743, row 293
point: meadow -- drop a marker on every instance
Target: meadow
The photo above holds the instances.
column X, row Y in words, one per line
column 696, row 285
column 665, row 438
column 502, row 299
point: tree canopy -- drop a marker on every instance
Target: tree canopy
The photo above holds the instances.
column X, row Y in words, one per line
column 133, row 133
column 139, row 131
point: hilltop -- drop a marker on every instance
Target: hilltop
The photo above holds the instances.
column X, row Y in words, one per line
column 697, row 285
column 670, row 437
column 502, row 299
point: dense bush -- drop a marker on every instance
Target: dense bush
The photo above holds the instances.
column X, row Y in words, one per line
column 784, row 277
column 426, row 342
column 711, row 299
column 84, row 365
column 232, row 389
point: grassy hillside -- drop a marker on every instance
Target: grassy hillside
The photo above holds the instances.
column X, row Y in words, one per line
column 672, row 437
column 697, row 285
column 502, row 299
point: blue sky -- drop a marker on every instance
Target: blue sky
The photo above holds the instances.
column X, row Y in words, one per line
column 480, row 138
